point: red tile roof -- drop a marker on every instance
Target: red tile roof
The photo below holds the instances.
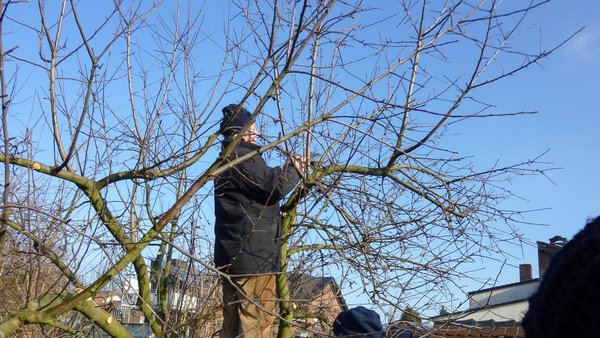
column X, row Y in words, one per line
column 455, row 331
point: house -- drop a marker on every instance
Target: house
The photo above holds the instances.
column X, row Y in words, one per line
column 188, row 288
column 317, row 301
column 113, row 303
column 116, row 303
column 192, row 297
column 501, row 303
column 498, row 311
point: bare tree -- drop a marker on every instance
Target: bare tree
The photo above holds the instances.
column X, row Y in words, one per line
column 114, row 113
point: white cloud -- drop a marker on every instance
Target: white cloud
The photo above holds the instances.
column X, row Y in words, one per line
column 585, row 46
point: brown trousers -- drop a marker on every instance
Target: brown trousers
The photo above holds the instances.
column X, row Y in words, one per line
column 248, row 306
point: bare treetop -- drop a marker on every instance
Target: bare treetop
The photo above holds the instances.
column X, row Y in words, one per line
column 110, row 117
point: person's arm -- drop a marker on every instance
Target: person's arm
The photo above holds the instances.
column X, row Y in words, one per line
column 266, row 183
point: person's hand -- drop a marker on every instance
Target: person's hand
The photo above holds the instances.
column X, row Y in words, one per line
column 299, row 163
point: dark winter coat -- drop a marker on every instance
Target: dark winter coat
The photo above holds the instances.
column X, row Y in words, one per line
column 247, row 225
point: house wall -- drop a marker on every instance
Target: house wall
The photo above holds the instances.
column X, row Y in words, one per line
column 502, row 295
column 327, row 305
column 514, row 311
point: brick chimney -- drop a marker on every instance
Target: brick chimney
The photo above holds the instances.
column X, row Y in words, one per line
column 524, row 272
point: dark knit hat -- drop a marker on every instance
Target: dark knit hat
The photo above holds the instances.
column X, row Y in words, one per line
column 358, row 322
column 567, row 303
column 233, row 122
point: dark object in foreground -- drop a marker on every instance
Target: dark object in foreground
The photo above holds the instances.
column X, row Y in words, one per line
column 567, row 303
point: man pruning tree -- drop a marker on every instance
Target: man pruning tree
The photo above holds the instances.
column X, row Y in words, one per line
column 247, row 229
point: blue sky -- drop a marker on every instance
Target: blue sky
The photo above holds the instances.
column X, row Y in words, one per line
column 565, row 91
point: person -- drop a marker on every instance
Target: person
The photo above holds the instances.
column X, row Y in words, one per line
column 567, row 302
column 247, row 229
column 358, row 322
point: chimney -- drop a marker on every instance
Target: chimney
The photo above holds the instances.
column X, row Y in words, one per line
column 524, row 272
column 547, row 250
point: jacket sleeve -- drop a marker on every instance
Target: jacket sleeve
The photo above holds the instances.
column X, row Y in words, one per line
column 264, row 183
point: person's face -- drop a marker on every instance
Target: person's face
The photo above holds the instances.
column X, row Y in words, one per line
column 252, row 134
